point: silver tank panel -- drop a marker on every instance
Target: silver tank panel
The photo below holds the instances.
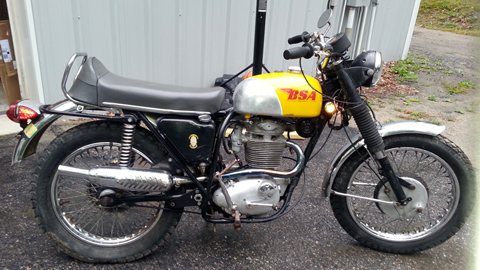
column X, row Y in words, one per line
column 256, row 96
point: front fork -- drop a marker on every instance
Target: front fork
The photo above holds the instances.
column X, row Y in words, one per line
column 370, row 134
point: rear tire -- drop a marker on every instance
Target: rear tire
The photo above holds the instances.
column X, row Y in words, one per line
column 67, row 208
column 443, row 179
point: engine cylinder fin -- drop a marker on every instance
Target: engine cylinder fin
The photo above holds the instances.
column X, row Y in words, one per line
column 264, row 154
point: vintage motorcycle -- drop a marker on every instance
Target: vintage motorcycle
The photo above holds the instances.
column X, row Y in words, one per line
column 113, row 188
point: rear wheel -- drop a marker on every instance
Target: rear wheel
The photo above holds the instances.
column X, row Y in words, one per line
column 442, row 179
column 69, row 208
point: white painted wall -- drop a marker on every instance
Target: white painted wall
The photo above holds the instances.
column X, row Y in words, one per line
column 25, row 42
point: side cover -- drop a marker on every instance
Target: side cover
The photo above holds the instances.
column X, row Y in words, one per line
column 192, row 138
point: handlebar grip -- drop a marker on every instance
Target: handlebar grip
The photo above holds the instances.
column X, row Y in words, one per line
column 303, row 37
column 305, row 51
column 295, row 39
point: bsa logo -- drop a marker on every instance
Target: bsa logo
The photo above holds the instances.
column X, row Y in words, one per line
column 300, row 95
column 193, row 138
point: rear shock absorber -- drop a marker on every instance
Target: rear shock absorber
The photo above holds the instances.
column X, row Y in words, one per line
column 126, row 148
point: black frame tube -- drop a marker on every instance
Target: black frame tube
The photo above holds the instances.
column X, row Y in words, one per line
column 134, row 116
column 216, row 154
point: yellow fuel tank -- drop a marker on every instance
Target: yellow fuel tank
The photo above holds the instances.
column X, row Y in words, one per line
column 278, row 94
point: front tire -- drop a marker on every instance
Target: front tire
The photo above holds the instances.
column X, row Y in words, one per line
column 68, row 208
column 443, row 180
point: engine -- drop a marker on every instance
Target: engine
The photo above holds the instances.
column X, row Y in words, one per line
column 263, row 142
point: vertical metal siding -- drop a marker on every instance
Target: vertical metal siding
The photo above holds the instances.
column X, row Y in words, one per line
column 391, row 29
column 53, row 27
column 286, row 19
column 182, row 42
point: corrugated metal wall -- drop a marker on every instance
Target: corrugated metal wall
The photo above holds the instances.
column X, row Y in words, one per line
column 393, row 29
column 182, row 42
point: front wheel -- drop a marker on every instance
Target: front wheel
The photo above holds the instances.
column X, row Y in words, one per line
column 441, row 179
column 69, row 208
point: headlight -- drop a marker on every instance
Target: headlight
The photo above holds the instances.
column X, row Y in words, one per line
column 373, row 61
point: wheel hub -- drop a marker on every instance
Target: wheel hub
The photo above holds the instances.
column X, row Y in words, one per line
column 419, row 201
column 110, row 200
column 107, row 198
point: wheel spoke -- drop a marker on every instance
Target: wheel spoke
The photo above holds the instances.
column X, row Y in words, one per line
column 403, row 223
column 80, row 211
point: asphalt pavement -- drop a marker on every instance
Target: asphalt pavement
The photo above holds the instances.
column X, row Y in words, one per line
column 307, row 238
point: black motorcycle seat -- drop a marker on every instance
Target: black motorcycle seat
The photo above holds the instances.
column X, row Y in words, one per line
column 98, row 86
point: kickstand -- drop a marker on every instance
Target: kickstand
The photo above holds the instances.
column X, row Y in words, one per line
column 214, row 224
column 237, row 224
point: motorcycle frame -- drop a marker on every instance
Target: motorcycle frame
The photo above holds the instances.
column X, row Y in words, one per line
column 188, row 200
column 177, row 201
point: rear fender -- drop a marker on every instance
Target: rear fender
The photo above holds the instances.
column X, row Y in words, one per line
column 390, row 129
column 31, row 135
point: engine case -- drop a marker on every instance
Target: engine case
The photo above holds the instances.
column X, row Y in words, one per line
column 278, row 94
column 252, row 196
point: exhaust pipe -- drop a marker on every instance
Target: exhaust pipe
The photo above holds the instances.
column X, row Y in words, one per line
column 161, row 181
column 280, row 174
column 123, row 178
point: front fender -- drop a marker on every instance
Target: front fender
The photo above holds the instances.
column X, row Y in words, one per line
column 390, row 129
column 27, row 145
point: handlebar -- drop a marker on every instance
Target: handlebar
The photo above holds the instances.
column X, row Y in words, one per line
column 303, row 37
column 306, row 51
column 315, row 44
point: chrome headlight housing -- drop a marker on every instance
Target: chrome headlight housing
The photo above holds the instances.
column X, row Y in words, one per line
column 373, row 61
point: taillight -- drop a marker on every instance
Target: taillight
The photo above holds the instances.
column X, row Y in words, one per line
column 25, row 113
column 11, row 112
column 19, row 112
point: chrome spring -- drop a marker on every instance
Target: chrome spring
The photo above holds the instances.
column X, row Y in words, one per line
column 126, row 148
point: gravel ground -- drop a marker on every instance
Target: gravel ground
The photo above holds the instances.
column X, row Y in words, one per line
column 453, row 59
column 307, row 238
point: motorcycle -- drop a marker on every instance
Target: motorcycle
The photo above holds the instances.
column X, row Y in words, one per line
column 113, row 189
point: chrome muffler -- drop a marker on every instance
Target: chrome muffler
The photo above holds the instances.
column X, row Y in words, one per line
column 123, row 178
